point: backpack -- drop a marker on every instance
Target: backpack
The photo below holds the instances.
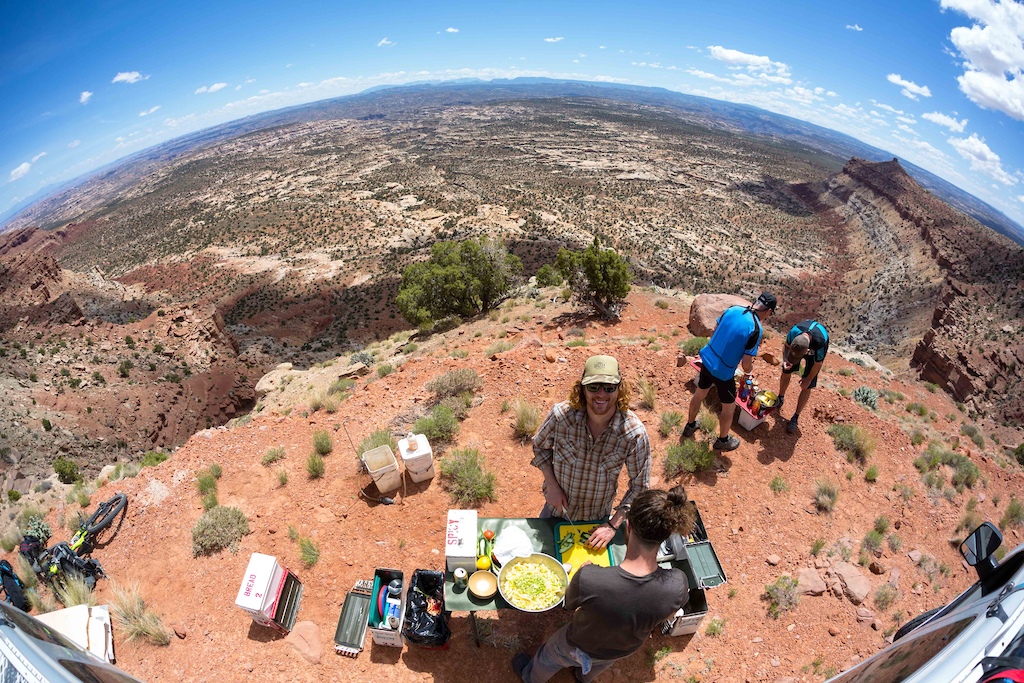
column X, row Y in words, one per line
column 13, row 587
column 31, row 547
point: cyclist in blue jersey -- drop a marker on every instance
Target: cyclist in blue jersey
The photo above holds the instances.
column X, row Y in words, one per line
column 734, row 341
column 806, row 343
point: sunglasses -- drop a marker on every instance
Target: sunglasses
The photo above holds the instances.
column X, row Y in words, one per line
column 608, row 388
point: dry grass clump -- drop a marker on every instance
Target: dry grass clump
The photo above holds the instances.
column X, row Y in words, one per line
column 527, row 419
column 689, row 456
column 72, row 590
column 781, row 596
column 670, row 419
column 465, row 478
column 135, row 619
column 272, row 456
column 648, row 393
column 826, row 494
column 454, row 383
column 322, row 442
column 858, row 444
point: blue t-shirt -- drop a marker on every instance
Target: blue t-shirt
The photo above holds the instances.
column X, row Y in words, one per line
column 818, row 334
column 738, row 333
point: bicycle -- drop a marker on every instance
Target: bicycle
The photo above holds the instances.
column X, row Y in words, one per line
column 72, row 557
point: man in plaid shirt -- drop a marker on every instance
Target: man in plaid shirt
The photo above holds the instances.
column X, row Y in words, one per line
column 582, row 446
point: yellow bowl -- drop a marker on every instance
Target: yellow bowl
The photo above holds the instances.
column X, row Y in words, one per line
column 483, row 584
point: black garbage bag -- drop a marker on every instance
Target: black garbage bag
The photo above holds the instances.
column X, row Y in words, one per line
column 426, row 621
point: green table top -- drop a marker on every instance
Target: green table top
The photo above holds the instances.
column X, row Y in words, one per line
column 541, row 533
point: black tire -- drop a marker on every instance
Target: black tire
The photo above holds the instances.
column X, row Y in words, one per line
column 106, row 513
column 914, row 623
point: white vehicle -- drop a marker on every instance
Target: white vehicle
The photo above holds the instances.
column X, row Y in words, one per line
column 979, row 636
column 32, row 652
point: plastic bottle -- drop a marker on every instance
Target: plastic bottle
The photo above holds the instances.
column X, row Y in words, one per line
column 745, row 389
column 393, row 605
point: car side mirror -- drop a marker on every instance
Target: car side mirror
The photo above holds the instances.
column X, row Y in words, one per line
column 978, row 548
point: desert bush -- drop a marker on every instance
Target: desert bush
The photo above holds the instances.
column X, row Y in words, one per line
column 315, row 465
column 965, row 472
column 219, row 528
column 917, row 438
column 364, row 357
column 974, row 434
column 895, row 543
column 858, row 444
column 498, row 347
column 970, row 521
column 341, row 385
column 885, row 596
column 460, row 278
column 47, row 425
column 135, row 619
column 385, row 370
column 872, row 541
column 871, row 474
column 13, row 496
column 548, row 276
column 707, row 421
column 381, row 437
column 153, row 458
column 206, row 482
column 1014, row 514
column 83, row 499
column 648, row 393
column 309, row 552
column 881, row 524
column 10, row 539
column 781, row 596
column 715, row 627
column 917, row 409
column 67, row 470
column 817, row 546
column 599, row 278
column 464, row 477
column 72, row 590
column 693, row 345
column 455, row 383
column 1018, row 454
column 688, row 456
column 778, row 484
column 439, row 426
column 216, row 470
column 322, row 442
column 527, row 419
column 272, row 456
column 459, row 405
column 670, row 419
column 282, row 476
column 866, row 396
column 826, row 494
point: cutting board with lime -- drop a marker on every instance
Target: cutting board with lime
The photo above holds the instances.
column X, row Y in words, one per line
column 570, row 548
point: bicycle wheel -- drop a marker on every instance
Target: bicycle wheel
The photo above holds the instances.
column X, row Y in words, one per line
column 105, row 513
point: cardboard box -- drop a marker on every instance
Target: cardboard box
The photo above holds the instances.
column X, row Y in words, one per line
column 460, row 540
column 392, row 637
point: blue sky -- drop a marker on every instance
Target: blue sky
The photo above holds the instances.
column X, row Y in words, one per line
column 938, row 83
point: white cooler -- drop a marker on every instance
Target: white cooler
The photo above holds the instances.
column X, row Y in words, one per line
column 270, row 593
column 417, row 457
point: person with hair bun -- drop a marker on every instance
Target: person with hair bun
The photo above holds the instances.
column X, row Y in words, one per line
column 614, row 609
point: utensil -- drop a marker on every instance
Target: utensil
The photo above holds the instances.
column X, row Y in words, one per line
column 535, row 558
column 483, row 584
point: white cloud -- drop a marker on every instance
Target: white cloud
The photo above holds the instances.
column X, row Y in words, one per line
column 947, row 121
column 982, row 158
column 250, row 80
column 910, row 89
column 128, row 77
column 149, row 111
column 305, row 84
column 738, row 58
column 85, row 97
column 601, row 47
column 210, row 88
column 886, row 107
column 854, row 27
column 907, row 119
column 451, row 30
column 554, row 40
column 1020, row 198
column 993, row 53
column 38, row 157
column 384, row 42
column 760, row 70
column 907, row 129
column 74, row 143
column 237, row 88
column 19, row 172
column 201, row 89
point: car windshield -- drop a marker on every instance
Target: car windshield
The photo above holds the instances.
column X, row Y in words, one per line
column 35, row 628
column 904, row 659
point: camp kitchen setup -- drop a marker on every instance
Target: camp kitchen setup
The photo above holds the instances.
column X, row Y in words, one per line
column 754, row 403
column 488, row 564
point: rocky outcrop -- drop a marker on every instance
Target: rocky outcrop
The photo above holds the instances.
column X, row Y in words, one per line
column 706, row 309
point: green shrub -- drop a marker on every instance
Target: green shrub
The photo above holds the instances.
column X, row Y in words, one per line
column 206, row 483
column 917, row 409
column 459, row 405
column 965, row 472
column 153, row 458
column 688, row 456
column 866, row 396
column 498, row 347
column 817, row 546
column 439, row 426
column 83, row 499
column 315, row 466
column 871, row 474
column 322, row 442
column 527, row 419
column 598, row 277
column 881, row 524
column 216, row 470
column 872, row 541
column 364, row 357
column 67, row 470
column 13, row 496
column 895, row 543
column 309, row 552
column 125, row 367
column 715, row 627
column 1014, row 515
column 1018, row 454
column 781, row 596
column 778, row 484
column 381, row 437
column 272, row 456
column 670, row 419
column 219, row 528
column 282, row 476
column 385, row 370
column 885, row 596
column 47, row 425
column 693, row 345
column 853, row 439
column 917, row 438
column 548, row 276
column 210, row 500
column 974, row 434
column 826, row 494
column 707, row 421
column 648, row 393
column 465, row 478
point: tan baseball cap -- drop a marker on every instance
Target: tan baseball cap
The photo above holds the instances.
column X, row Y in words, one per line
column 601, row 370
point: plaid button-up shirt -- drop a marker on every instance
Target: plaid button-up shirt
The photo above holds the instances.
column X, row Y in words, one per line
column 588, row 469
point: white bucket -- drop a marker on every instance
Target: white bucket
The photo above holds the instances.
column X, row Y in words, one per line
column 383, row 467
column 417, row 457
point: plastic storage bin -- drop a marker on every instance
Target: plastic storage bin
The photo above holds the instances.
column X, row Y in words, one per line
column 383, row 467
column 417, row 457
